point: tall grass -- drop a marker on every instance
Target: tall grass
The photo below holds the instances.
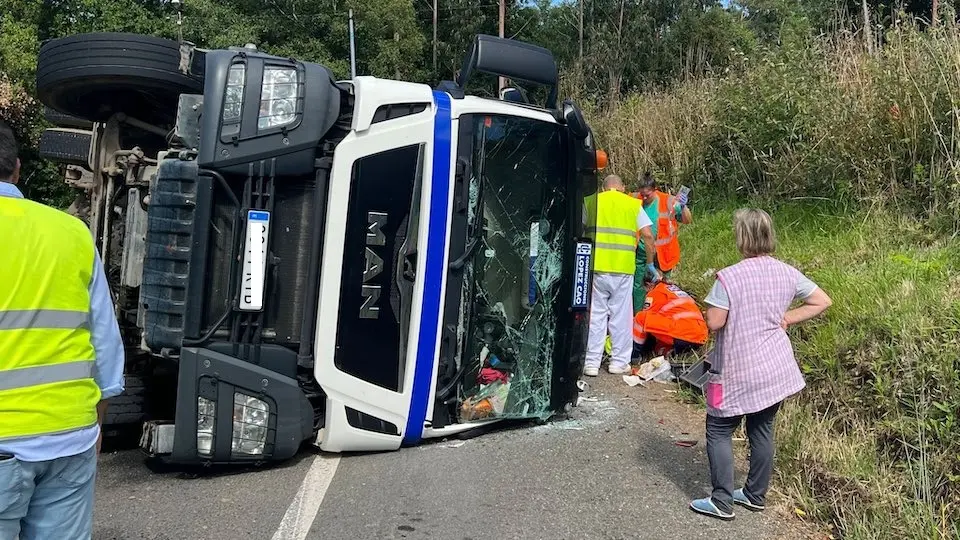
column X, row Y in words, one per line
column 857, row 157
column 872, row 445
column 820, row 119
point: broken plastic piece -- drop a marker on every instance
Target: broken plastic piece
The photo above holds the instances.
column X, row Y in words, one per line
column 632, row 380
column 457, row 444
column 652, row 369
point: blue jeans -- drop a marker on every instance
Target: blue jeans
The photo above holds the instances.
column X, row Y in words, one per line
column 48, row 499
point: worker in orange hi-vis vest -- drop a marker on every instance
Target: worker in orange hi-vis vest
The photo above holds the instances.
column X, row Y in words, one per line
column 670, row 321
column 666, row 213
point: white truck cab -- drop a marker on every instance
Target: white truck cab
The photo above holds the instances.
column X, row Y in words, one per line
column 359, row 264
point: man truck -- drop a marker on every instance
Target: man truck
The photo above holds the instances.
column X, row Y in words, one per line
column 361, row 264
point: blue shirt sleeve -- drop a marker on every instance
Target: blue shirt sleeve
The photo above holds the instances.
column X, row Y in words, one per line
column 108, row 368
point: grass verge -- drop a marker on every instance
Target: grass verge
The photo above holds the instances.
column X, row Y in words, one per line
column 872, row 446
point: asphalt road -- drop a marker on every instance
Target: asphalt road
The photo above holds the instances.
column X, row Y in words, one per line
column 613, row 470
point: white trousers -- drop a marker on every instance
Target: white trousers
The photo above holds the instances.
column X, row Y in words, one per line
column 611, row 309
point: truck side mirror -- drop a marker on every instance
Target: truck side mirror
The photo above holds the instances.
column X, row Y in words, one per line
column 574, row 120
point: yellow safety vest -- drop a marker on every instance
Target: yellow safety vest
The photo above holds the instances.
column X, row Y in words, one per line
column 46, row 353
column 615, row 233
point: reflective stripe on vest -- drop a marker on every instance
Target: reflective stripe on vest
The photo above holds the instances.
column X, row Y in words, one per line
column 46, row 352
column 615, row 232
column 666, row 243
column 37, row 375
column 43, row 318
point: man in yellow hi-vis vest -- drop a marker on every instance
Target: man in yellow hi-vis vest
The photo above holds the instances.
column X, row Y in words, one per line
column 61, row 356
column 618, row 217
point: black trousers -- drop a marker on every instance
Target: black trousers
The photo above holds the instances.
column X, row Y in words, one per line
column 646, row 348
column 720, row 453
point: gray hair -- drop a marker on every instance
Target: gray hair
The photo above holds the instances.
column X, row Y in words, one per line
column 753, row 230
column 613, row 182
column 646, row 181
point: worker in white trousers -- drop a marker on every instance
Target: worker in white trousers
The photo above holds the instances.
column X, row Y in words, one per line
column 620, row 221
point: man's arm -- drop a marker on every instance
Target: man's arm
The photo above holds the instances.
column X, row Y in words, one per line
column 101, row 412
column 107, row 343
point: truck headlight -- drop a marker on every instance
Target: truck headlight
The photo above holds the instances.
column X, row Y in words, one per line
column 206, row 410
column 278, row 97
column 250, row 422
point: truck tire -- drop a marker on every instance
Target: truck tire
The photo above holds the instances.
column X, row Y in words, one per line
column 93, row 76
column 64, row 145
column 128, row 407
column 60, row 119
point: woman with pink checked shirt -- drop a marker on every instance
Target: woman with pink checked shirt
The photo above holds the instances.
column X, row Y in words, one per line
column 753, row 368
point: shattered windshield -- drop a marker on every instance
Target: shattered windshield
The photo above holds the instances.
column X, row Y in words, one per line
column 516, row 218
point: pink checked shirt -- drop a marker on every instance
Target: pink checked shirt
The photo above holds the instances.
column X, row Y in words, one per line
column 753, row 353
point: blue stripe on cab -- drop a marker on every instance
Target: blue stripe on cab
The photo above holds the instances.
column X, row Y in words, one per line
column 433, row 272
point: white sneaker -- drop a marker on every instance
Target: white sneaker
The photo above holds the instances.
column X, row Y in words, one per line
column 619, row 370
column 591, row 371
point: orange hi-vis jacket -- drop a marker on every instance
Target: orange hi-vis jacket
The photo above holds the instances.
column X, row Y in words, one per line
column 667, row 244
column 668, row 314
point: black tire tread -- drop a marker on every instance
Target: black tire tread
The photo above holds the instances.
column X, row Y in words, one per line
column 60, row 119
column 67, row 146
column 128, row 407
column 93, row 76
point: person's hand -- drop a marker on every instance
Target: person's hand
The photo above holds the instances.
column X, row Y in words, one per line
column 654, row 274
column 784, row 324
column 683, row 198
column 99, row 441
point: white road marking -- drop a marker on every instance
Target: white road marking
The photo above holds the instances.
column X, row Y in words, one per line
column 299, row 517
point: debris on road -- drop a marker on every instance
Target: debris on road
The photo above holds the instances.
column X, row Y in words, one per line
column 658, row 369
column 457, row 444
column 632, row 380
column 686, row 443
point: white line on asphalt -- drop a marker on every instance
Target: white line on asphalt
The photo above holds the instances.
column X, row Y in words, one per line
column 299, row 517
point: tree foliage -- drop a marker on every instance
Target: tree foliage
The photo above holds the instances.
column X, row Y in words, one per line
column 605, row 48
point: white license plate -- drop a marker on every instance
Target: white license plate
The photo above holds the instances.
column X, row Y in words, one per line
column 254, row 261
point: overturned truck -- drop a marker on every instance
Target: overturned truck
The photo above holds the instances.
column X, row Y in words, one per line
column 360, row 264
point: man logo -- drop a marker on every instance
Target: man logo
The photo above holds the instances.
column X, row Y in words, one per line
column 373, row 265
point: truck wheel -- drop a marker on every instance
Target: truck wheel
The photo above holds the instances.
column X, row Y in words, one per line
column 128, row 407
column 60, row 119
column 93, row 76
column 64, row 145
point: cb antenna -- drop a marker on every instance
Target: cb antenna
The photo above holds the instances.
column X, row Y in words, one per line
column 353, row 50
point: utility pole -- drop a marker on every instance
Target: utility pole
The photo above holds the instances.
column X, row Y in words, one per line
column 581, row 32
column 867, row 33
column 435, row 38
column 503, row 13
